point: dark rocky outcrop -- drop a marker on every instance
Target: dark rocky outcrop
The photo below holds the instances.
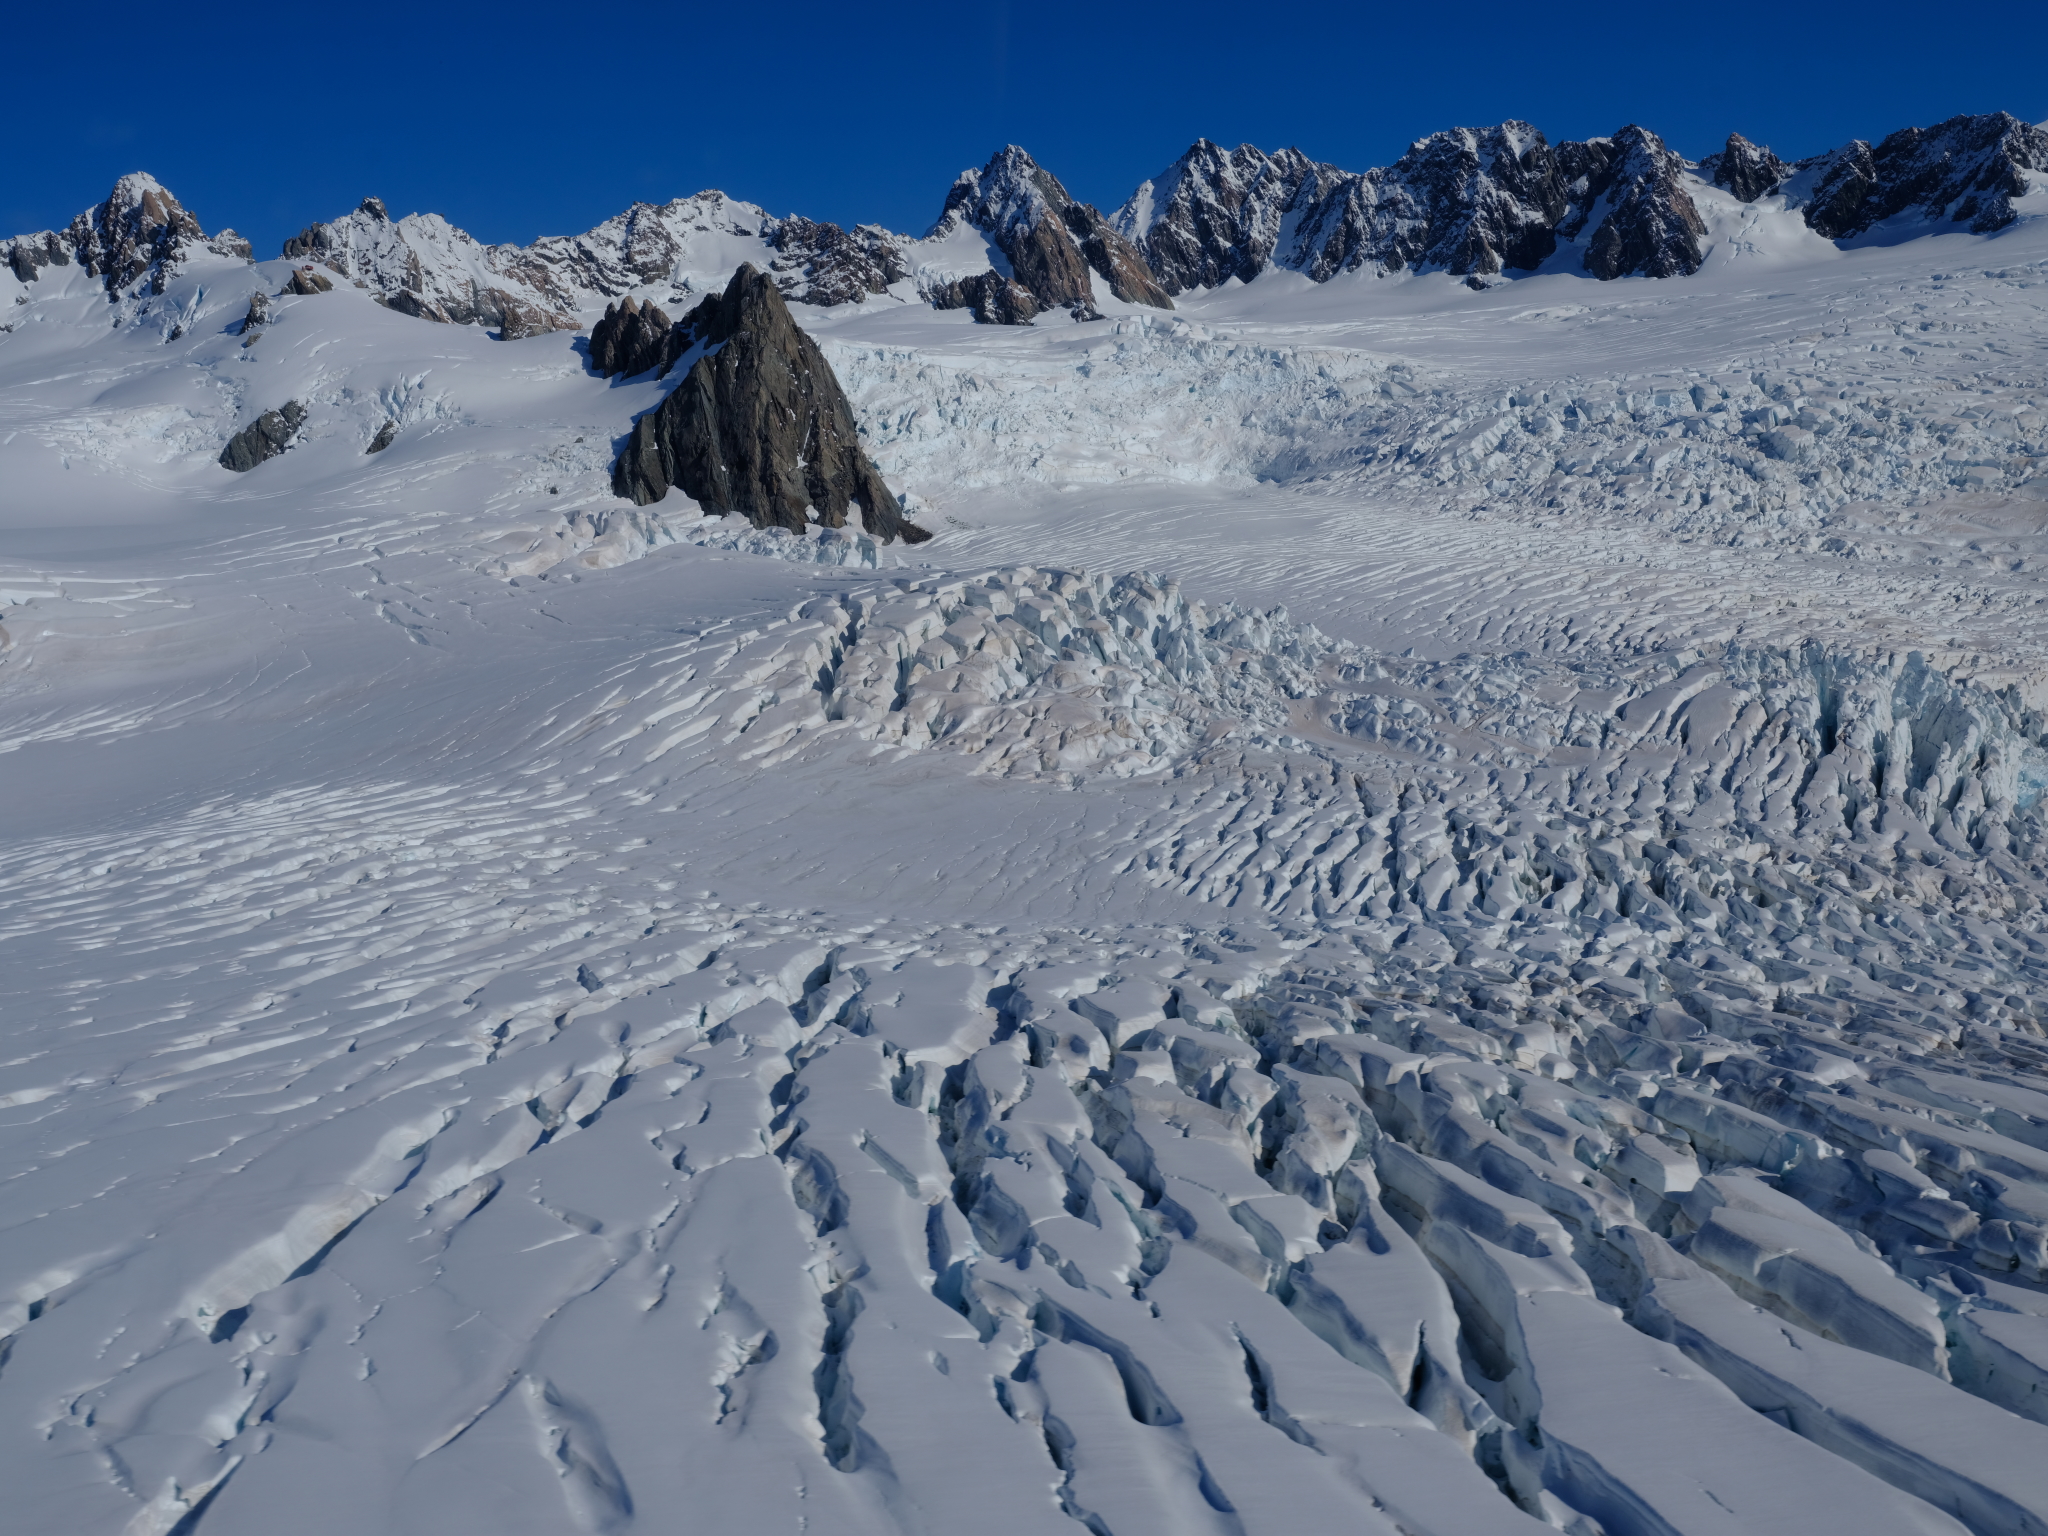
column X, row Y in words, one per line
column 994, row 298
column 1473, row 202
column 1119, row 262
column 758, row 426
column 512, row 317
column 28, row 255
column 386, row 436
column 264, row 438
column 634, row 338
column 329, row 243
column 1049, row 240
column 1465, row 201
column 1746, row 171
column 308, row 280
column 1967, row 170
column 1651, row 228
column 137, row 237
column 257, row 317
column 424, row 267
column 818, row 263
column 1842, row 192
column 1215, row 214
column 140, row 230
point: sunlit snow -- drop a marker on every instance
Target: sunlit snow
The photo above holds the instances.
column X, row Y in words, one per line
column 1425, row 914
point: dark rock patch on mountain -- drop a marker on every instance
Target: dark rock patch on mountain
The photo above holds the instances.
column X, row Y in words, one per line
column 633, row 338
column 1215, row 214
column 1651, row 228
column 1747, row 171
column 512, row 317
column 308, row 280
column 386, row 436
column 823, row 264
column 28, row 255
column 139, row 230
column 1049, row 240
column 1119, row 262
column 1472, row 202
column 138, row 236
column 264, row 438
column 1967, row 169
column 1465, row 201
column 758, row 426
column 994, row 298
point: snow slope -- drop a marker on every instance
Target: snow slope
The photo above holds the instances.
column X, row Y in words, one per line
column 527, row 1014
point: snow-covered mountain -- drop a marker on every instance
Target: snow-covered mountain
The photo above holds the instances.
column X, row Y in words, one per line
column 1050, row 242
column 1425, row 912
column 1481, row 201
column 422, row 265
column 132, row 243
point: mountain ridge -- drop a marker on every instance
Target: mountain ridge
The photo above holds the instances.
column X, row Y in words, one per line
column 1012, row 244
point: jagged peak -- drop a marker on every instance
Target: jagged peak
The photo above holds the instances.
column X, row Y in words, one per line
column 1012, row 192
column 146, row 204
column 1745, row 170
column 1513, row 134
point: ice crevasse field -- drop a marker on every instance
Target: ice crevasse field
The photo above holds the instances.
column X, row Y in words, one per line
column 1423, row 914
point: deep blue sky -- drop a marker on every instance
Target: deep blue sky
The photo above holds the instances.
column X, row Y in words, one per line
column 516, row 119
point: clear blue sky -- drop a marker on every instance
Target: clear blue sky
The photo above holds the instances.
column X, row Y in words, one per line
column 517, row 120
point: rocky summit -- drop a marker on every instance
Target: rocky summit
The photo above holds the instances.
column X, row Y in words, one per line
column 1746, row 170
column 1650, row 226
column 1217, row 214
column 136, row 238
column 1050, row 241
column 758, row 426
column 1964, row 171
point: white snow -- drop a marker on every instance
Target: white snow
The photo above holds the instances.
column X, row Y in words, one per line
column 1424, row 914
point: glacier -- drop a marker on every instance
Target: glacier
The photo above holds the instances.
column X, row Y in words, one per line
column 1427, row 912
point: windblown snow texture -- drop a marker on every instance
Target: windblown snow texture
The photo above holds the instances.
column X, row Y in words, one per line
column 1426, row 912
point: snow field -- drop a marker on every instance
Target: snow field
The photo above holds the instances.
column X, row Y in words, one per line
column 1342, row 974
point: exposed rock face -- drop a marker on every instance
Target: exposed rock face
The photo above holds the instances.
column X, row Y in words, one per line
column 139, row 235
column 1967, row 169
column 1747, row 171
column 264, row 438
column 306, row 280
column 814, row 263
column 422, row 265
column 28, row 255
column 258, row 315
column 1469, row 201
column 386, row 436
column 759, row 425
column 1049, row 240
column 1121, row 264
column 1651, row 228
column 824, row 264
column 139, row 230
column 994, row 298
column 1215, row 214
column 1842, row 191
column 633, row 338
